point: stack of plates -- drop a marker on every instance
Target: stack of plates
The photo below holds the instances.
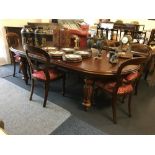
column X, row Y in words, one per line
column 48, row 49
column 56, row 53
column 127, row 55
column 84, row 54
column 72, row 58
column 68, row 50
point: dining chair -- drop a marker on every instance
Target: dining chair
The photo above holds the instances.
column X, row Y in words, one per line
column 119, row 86
column 39, row 62
column 14, row 41
column 144, row 50
column 134, row 77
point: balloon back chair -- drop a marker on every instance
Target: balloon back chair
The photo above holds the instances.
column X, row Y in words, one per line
column 144, row 50
column 119, row 87
column 39, row 62
column 14, row 41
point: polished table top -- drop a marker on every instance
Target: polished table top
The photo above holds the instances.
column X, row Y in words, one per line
column 90, row 66
column 97, row 66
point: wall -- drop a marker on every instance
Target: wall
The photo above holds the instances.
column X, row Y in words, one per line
column 45, row 20
column 17, row 22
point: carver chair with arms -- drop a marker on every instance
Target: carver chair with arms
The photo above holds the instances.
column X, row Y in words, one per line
column 39, row 62
column 119, row 86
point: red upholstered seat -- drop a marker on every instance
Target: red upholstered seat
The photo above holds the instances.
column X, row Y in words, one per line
column 132, row 76
column 17, row 58
column 124, row 89
column 41, row 75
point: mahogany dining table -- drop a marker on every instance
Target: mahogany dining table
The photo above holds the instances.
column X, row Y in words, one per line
column 91, row 68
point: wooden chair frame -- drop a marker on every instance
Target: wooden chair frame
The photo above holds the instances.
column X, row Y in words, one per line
column 13, row 41
column 119, row 81
column 41, row 56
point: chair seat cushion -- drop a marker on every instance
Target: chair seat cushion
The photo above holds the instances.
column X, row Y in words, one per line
column 41, row 75
column 17, row 58
column 132, row 76
column 124, row 89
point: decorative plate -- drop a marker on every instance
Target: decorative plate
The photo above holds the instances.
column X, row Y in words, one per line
column 48, row 49
column 127, row 55
column 84, row 54
column 68, row 50
column 72, row 58
column 56, row 53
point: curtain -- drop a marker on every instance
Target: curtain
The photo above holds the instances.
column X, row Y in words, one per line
column 4, row 50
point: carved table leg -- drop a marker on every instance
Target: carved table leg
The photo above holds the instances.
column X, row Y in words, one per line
column 88, row 89
column 24, row 64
